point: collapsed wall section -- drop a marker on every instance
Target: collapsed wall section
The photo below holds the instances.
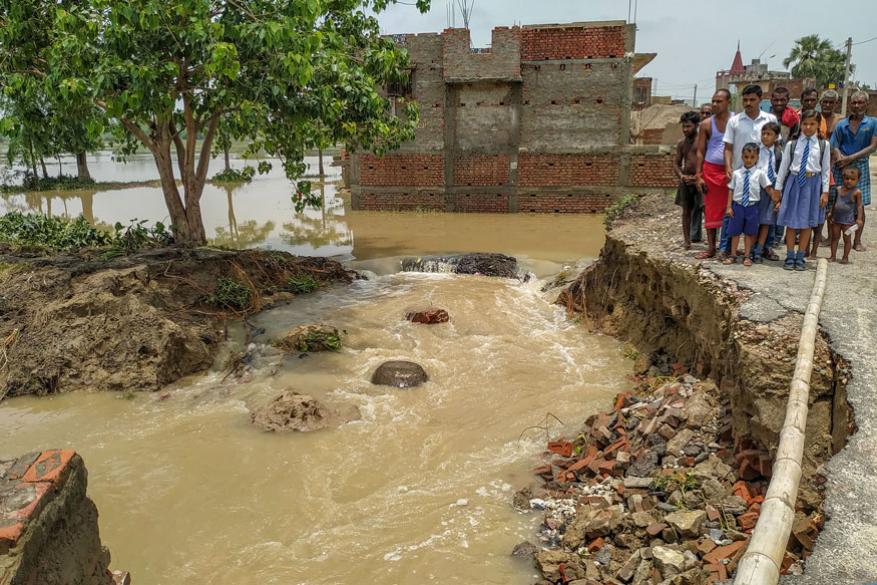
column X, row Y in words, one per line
column 48, row 525
column 537, row 123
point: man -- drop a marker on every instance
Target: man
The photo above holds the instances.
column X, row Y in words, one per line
column 787, row 117
column 711, row 168
column 742, row 129
column 808, row 99
column 706, row 110
column 854, row 140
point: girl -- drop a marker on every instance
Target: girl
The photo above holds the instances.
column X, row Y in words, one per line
column 769, row 159
column 802, row 178
column 847, row 207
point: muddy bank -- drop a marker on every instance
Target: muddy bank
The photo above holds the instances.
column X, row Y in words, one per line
column 649, row 291
column 71, row 322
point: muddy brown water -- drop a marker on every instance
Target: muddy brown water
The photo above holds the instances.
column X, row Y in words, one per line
column 419, row 489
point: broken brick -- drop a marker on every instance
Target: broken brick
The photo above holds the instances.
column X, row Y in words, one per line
column 748, row 520
column 655, row 529
column 562, row 448
column 595, row 545
column 725, row 552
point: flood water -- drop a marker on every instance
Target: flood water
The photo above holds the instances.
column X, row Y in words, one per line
column 419, row 489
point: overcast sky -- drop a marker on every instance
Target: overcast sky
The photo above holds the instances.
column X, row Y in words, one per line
column 692, row 38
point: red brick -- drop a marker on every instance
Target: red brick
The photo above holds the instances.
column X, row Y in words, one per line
column 562, row 448
column 49, row 466
column 725, row 552
column 596, row 42
column 567, row 170
column 402, row 170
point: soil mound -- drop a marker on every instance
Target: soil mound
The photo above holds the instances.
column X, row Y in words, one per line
column 69, row 322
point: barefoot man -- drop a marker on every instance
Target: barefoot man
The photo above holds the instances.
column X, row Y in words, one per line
column 711, row 168
column 853, row 141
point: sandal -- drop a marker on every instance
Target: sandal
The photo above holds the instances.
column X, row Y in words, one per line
column 730, row 260
column 704, row 255
column 789, row 264
column 769, row 254
column 747, row 261
column 800, row 263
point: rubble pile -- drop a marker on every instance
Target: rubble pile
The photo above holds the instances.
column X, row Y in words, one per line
column 655, row 492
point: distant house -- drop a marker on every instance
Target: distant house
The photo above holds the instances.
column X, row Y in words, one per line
column 757, row 73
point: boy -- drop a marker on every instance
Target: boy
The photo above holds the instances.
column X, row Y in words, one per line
column 744, row 193
column 769, row 158
column 688, row 194
column 847, row 207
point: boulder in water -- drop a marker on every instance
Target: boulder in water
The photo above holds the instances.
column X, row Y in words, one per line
column 310, row 338
column 291, row 411
column 428, row 316
column 498, row 265
column 400, row 374
column 488, row 265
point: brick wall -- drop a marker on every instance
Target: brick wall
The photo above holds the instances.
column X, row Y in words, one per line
column 501, row 61
column 481, row 202
column 573, row 202
column 418, row 200
column 561, row 43
column 481, row 170
column 652, row 170
column 401, row 170
column 559, row 170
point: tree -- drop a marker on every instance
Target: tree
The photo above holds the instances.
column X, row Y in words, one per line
column 169, row 71
column 816, row 58
column 40, row 119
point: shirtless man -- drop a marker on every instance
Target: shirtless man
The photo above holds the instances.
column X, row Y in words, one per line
column 711, row 168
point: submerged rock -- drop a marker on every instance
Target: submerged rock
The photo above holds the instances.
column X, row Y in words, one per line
column 400, row 374
column 291, row 411
column 498, row 265
column 429, row 316
column 310, row 338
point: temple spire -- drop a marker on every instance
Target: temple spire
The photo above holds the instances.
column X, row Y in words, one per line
column 737, row 66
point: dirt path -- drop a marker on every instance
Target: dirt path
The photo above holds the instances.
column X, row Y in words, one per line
column 70, row 322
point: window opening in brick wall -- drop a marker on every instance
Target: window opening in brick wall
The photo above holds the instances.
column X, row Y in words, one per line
column 402, row 88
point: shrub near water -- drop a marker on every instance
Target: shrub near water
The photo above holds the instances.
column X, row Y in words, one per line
column 230, row 294
column 302, row 284
column 35, row 229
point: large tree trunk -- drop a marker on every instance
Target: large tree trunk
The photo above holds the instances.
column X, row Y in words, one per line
column 82, row 167
column 186, row 221
column 45, row 170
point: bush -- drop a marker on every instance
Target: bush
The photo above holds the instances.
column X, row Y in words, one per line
column 230, row 294
column 302, row 284
column 35, row 229
column 31, row 182
column 244, row 175
column 135, row 237
column 616, row 210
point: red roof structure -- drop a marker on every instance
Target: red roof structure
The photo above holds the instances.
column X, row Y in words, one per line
column 737, row 66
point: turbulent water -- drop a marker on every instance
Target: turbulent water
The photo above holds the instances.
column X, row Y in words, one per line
column 417, row 490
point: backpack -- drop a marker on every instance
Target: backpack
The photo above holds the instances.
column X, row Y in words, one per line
column 793, row 144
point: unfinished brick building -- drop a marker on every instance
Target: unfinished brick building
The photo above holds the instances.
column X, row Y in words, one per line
column 537, row 123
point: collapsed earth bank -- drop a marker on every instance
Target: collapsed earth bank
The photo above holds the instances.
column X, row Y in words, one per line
column 85, row 321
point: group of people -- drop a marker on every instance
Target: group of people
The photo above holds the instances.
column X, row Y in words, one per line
column 769, row 177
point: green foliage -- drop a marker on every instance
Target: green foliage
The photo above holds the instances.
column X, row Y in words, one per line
column 244, row 175
column 615, row 210
column 320, row 341
column 814, row 57
column 230, row 294
column 682, row 480
column 60, row 183
column 35, row 229
column 282, row 76
column 137, row 236
column 302, row 284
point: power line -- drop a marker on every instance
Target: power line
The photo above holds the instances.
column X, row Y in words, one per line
column 863, row 42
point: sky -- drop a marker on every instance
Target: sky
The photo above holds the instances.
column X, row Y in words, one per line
column 692, row 39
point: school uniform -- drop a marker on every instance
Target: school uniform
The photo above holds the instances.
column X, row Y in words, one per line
column 769, row 162
column 747, row 186
column 802, row 182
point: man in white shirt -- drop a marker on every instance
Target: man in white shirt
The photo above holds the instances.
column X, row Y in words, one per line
column 742, row 129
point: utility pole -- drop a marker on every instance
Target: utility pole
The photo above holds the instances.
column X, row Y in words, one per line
column 694, row 100
column 843, row 107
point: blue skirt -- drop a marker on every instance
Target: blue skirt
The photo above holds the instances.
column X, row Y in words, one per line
column 800, row 206
column 766, row 213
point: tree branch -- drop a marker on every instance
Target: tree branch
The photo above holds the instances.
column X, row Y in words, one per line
column 181, row 148
column 204, row 157
column 131, row 127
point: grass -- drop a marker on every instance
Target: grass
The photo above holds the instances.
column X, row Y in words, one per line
column 230, row 294
column 616, row 210
column 302, row 284
column 244, row 175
